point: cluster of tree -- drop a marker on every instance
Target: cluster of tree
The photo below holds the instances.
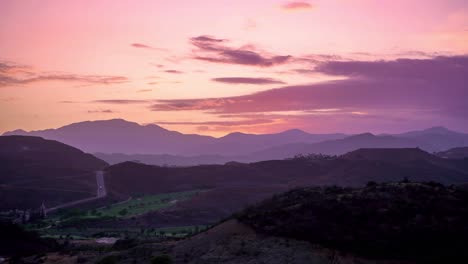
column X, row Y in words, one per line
column 17, row 242
column 313, row 156
column 423, row 222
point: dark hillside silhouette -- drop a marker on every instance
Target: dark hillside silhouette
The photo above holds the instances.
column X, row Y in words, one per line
column 232, row 186
column 34, row 170
column 422, row 222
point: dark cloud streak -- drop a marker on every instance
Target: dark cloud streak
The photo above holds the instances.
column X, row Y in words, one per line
column 11, row 74
column 247, row 80
column 437, row 85
column 212, row 50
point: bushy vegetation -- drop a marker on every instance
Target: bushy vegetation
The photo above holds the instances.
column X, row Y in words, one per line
column 312, row 157
column 108, row 260
column 15, row 241
column 424, row 222
column 162, row 259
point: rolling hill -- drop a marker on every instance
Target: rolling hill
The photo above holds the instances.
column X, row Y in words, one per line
column 231, row 187
column 118, row 140
column 120, row 136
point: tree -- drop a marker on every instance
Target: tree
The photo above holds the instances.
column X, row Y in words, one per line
column 161, row 259
column 123, row 212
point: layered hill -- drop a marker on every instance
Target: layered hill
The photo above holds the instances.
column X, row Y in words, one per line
column 120, row 136
column 431, row 140
column 118, row 140
column 35, row 170
column 233, row 186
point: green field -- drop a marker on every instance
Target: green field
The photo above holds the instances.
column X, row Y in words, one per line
column 141, row 205
column 139, row 233
column 127, row 209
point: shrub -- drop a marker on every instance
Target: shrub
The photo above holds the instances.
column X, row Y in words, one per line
column 108, row 260
column 123, row 212
column 161, row 259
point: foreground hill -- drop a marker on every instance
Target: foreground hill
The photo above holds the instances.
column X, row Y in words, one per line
column 15, row 241
column 230, row 187
column 233, row 242
column 422, row 222
column 33, row 170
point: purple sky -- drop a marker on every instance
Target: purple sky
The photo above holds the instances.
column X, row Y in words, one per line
column 218, row 66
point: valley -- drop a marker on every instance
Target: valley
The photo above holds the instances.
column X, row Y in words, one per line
column 173, row 210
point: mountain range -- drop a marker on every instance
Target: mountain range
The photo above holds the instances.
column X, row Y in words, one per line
column 118, row 140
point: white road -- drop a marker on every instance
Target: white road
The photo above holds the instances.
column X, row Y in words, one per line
column 101, row 187
column 100, row 193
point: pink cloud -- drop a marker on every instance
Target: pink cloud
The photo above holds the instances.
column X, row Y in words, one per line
column 247, row 122
column 12, row 74
column 434, row 86
column 121, row 101
column 144, row 46
column 105, row 111
column 173, row 71
column 211, row 49
column 298, row 5
column 247, row 80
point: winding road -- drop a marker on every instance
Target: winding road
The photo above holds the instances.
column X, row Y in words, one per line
column 100, row 193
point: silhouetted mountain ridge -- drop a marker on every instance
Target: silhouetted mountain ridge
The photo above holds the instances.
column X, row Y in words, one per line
column 120, row 136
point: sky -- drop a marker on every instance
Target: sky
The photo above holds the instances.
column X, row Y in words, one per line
column 216, row 66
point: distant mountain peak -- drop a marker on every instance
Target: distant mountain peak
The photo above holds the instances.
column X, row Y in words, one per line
column 118, row 122
column 235, row 134
column 388, row 154
column 15, row 132
column 363, row 136
column 437, row 129
column 294, row 131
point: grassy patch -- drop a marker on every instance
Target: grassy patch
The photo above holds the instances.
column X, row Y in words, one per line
column 56, row 224
column 138, row 233
column 142, row 205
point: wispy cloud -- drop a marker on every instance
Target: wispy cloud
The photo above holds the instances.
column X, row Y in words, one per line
column 246, row 122
column 174, row 71
column 435, row 85
column 11, row 74
column 121, row 101
column 247, row 80
column 144, row 90
column 297, row 5
column 144, row 46
column 105, row 111
column 214, row 50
